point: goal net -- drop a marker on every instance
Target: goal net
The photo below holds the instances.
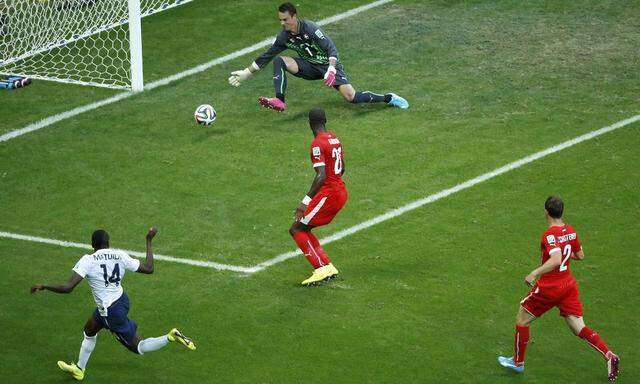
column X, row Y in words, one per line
column 89, row 42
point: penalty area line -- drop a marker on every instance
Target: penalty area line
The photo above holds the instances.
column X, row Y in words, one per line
column 450, row 191
column 364, row 225
column 170, row 79
column 142, row 255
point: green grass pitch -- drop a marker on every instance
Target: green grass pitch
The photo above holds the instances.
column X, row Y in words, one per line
column 428, row 297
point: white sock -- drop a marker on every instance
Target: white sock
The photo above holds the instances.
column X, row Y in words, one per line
column 85, row 350
column 152, row 344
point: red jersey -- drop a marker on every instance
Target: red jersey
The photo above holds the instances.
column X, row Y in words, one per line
column 326, row 151
column 564, row 239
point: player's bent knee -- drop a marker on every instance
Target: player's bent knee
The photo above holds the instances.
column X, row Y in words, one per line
column 349, row 94
column 523, row 321
column 295, row 228
column 288, row 63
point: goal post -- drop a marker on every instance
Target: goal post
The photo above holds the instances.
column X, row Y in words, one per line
column 135, row 46
column 88, row 42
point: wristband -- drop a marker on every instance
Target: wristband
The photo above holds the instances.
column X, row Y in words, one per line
column 306, row 200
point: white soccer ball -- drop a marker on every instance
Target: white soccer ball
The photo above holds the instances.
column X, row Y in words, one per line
column 205, row 114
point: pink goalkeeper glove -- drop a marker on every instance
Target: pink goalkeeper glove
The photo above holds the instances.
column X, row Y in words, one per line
column 330, row 76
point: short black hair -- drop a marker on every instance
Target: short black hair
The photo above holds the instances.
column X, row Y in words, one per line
column 554, row 206
column 288, row 7
column 100, row 239
column 317, row 116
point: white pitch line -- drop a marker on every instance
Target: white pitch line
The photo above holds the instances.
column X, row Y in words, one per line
column 366, row 224
column 167, row 80
column 69, row 244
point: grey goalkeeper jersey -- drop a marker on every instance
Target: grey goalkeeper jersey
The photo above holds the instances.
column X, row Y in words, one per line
column 310, row 43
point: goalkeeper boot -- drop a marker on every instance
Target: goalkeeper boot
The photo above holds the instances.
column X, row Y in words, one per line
column 72, row 369
column 272, row 103
column 175, row 335
column 508, row 362
column 398, row 101
column 318, row 275
column 332, row 271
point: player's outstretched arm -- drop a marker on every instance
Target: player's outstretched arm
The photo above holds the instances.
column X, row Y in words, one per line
column 238, row 77
column 555, row 259
column 147, row 266
column 63, row 288
column 317, row 183
column 279, row 45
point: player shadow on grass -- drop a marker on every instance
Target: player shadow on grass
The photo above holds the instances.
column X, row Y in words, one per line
column 208, row 133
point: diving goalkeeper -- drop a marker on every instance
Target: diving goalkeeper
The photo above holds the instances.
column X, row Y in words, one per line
column 318, row 60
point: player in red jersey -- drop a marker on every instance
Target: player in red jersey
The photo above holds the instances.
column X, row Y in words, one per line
column 326, row 197
column 556, row 287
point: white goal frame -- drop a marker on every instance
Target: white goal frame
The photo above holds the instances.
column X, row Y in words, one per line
column 135, row 47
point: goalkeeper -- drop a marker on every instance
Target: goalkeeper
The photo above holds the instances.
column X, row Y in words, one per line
column 318, row 59
column 13, row 82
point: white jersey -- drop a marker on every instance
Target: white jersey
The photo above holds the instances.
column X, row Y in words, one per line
column 104, row 270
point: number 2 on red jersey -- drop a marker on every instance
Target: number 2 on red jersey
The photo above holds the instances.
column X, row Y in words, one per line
column 566, row 252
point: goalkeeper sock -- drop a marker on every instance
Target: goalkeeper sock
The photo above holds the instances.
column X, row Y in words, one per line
column 368, row 97
column 279, row 77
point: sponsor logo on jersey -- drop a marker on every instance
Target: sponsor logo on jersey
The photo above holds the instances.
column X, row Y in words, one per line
column 334, row 141
column 551, row 240
column 319, row 34
column 316, row 151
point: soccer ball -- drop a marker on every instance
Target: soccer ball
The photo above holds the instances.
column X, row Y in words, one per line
column 205, row 114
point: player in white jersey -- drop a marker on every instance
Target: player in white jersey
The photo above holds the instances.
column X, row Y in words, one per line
column 104, row 270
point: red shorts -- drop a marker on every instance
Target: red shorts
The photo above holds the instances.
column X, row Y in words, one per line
column 563, row 295
column 324, row 206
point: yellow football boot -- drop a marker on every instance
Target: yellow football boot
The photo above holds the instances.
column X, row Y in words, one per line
column 333, row 271
column 318, row 275
column 175, row 335
column 72, row 369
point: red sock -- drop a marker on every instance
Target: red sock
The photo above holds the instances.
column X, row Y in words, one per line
column 318, row 248
column 521, row 341
column 304, row 243
column 594, row 340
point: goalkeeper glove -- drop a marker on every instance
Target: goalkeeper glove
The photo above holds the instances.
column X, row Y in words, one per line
column 237, row 77
column 330, row 76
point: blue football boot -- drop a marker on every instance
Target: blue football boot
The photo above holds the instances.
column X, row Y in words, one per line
column 508, row 362
column 398, row 101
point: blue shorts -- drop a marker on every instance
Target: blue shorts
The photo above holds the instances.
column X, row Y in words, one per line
column 117, row 321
